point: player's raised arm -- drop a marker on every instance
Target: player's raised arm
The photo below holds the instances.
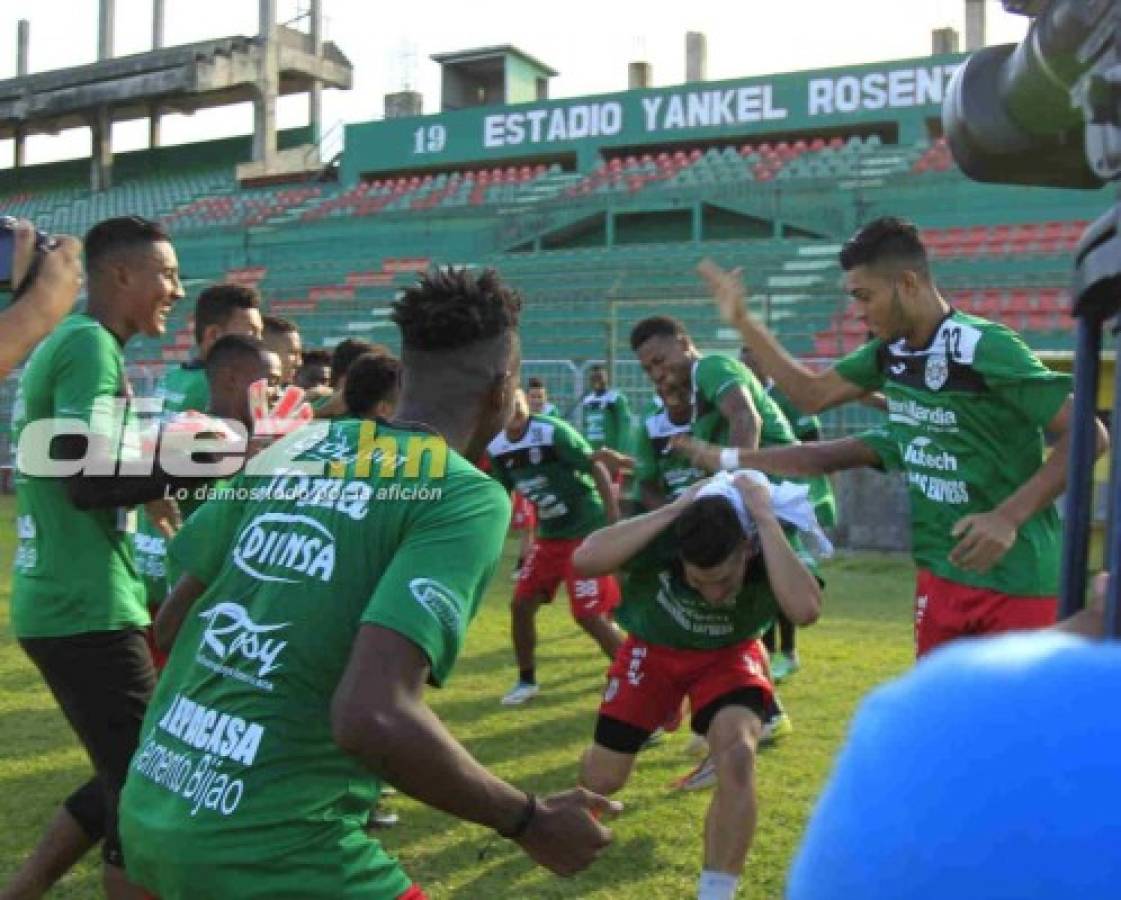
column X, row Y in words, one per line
column 796, row 588
column 608, row 549
column 811, row 392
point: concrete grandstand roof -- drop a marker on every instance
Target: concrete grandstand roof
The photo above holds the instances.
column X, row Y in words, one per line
column 177, row 79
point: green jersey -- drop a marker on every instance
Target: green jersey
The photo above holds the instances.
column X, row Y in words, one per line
column 158, row 572
column 237, row 771
column 659, row 606
column 550, row 465
column 713, row 377
column 655, row 461
column 808, row 428
column 74, row 571
column 965, row 423
column 185, row 388
column 607, row 420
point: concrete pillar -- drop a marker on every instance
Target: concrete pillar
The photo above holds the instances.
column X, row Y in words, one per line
column 268, row 85
column 404, row 104
column 696, row 56
column 974, row 25
column 23, row 39
column 638, row 76
column 101, row 153
column 944, row 40
column 106, row 21
column 315, row 97
column 157, row 44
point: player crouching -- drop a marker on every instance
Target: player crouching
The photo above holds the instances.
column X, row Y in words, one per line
column 697, row 596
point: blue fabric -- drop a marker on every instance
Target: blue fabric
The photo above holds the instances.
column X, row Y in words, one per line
column 992, row 770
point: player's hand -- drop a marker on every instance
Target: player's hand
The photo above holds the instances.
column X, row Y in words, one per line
column 164, row 514
column 614, row 461
column 702, row 455
column 985, row 538
column 690, row 493
column 756, row 496
column 565, row 835
column 727, row 290
column 59, row 278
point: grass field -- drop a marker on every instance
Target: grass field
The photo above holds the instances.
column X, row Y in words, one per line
column 863, row 638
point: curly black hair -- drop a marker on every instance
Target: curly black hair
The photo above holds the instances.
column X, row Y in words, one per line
column 886, row 240
column 656, row 326
column 450, row 308
column 371, row 378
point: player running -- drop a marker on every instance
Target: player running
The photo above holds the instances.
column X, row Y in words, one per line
column 547, row 461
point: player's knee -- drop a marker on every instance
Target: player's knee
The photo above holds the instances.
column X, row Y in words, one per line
column 601, row 776
column 735, row 764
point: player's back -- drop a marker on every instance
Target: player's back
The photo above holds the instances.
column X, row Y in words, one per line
column 237, row 765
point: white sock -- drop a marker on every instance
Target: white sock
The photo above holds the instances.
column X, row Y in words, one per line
column 716, row 886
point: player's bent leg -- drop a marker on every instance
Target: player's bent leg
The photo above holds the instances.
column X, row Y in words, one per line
column 605, row 771
column 730, row 823
column 68, row 838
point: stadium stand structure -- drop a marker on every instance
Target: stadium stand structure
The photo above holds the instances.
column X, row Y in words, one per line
column 597, row 209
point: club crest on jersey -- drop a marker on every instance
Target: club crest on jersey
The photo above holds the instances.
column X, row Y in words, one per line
column 535, row 455
column 937, row 371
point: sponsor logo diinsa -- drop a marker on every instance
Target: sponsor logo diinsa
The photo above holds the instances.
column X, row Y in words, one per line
column 285, row 548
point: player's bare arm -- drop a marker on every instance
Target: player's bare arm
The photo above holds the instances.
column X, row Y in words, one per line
column 986, row 537
column 174, row 610
column 811, row 392
column 792, row 460
column 606, row 491
column 378, row 715
column 744, row 423
column 605, row 551
column 794, row 586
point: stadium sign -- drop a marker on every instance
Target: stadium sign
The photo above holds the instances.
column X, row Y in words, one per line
column 806, row 101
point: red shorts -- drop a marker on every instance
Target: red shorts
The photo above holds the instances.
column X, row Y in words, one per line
column 413, row 893
column 548, row 563
column 945, row 610
column 524, row 516
column 647, row 682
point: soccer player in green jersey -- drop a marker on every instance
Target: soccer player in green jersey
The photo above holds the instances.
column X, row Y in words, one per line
column 373, row 386
column 807, row 429
column 78, row 606
column 704, row 577
column 318, row 601
column 968, row 407
column 606, row 414
column 548, row 462
column 220, row 309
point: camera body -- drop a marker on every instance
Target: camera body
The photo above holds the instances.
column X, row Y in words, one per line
column 1046, row 111
column 44, row 243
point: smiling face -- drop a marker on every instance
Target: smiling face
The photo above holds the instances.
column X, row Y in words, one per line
column 148, row 287
column 667, row 362
column 881, row 296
